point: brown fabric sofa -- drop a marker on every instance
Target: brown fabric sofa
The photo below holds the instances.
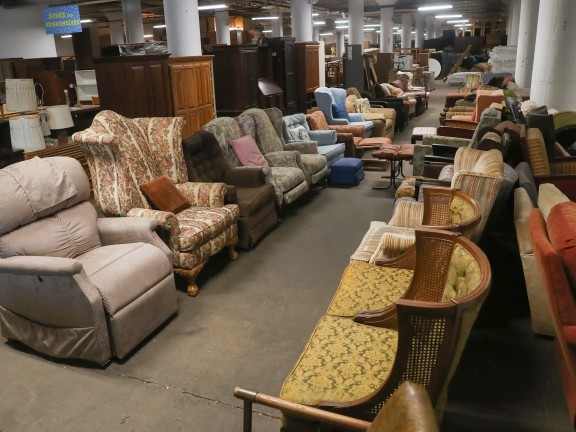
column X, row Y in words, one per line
column 72, row 285
column 246, row 186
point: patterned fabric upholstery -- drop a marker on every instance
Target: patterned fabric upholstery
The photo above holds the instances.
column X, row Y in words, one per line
column 537, row 157
column 408, row 214
column 342, row 361
column 393, row 244
column 460, row 211
column 123, row 153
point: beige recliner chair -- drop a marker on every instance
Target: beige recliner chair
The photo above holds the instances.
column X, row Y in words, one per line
column 73, row 285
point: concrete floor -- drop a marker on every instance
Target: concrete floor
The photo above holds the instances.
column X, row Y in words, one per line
column 249, row 324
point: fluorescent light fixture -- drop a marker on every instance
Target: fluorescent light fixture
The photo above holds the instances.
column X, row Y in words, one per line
column 396, row 28
column 325, row 34
column 315, row 14
column 371, row 25
column 341, row 22
column 449, row 16
column 319, row 22
column 266, row 31
column 159, row 26
column 437, row 7
column 341, row 27
column 87, row 20
column 265, row 18
column 412, row 32
column 458, row 21
column 368, row 29
column 210, row 7
column 148, row 36
column 66, row 36
column 377, row 31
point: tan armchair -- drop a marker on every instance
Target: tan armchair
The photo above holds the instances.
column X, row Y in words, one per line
column 384, row 118
column 73, row 285
column 124, row 153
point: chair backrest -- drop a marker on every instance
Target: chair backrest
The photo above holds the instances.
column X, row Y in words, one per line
column 353, row 91
column 526, row 181
column 45, row 209
column 226, row 129
column 450, row 282
column 122, row 153
column 534, row 150
column 275, row 116
column 485, row 98
column 204, row 158
column 324, row 99
column 317, row 121
column 255, row 122
column 291, row 122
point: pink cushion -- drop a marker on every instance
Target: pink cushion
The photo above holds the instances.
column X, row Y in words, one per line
column 248, row 152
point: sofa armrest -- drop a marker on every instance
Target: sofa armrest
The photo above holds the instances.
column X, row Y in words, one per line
column 284, row 159
column 303, row 147
column 40, row 265
column 356, row 130
column 323, row 137
column 203, row 194
column 348, row 140
column 167, row 225
column 565, row 183
column 245, row 177
column 355, row 117
column 339, row 121
column 120, row 230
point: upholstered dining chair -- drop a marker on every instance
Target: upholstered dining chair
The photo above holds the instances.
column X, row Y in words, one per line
column 282, row 169
column 73, row 285
column 136, row 164
column 352, row 366
column 408, row 410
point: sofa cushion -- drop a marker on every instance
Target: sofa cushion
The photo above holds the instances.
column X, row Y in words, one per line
column 561, row 226
column 366, row 286
column 164, row 196
column 342, row 361
column 286, row 178
column 362, row 105
column 248, row 152
column 299, row 133
column 393, row 244
column 200, row 224
column 339, row 112
column 464, row 274
column 460, row 211
column 66, row 234
column 369, row 242
column 407, row 214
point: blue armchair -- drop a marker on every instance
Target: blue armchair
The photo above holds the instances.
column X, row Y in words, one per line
column 332, row 102
column 325, row 140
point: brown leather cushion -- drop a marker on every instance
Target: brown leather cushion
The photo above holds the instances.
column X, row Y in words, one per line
column 250, row 200
column 317, row 121
column 164, row 196
column 204, row 159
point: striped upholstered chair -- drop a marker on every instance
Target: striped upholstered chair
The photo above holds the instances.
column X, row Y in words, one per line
column 352, row 366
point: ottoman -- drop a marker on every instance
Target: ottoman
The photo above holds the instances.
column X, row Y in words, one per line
column 346, row 171
column 419, row 132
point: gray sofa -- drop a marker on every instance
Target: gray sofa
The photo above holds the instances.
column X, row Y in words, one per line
column 73, row 285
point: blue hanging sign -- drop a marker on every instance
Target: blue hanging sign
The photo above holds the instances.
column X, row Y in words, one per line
column 62, row 20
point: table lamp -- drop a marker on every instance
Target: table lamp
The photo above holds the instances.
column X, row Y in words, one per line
column 25, row 131
column 60, row 119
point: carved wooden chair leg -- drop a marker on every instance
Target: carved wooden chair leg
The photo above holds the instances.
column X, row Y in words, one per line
column 191, row 276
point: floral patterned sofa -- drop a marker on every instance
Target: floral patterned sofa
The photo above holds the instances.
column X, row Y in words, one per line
column 123, row 153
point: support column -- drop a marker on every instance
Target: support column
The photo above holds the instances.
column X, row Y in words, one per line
column 339, row 44
column 553, row 78
column 430, row 27
column 386, row 24
column 182, row 27
column 356, row 22
column 526, row 42
column 301, row 20
column 133, row 21
column 437, row 28
column 116, row 28
column 277, row 27
column 514, row 22
column 222, row 27
column 406, row 30
column 419, row 40
column 315, row 34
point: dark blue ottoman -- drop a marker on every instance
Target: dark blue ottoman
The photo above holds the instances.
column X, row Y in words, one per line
column 346, row 171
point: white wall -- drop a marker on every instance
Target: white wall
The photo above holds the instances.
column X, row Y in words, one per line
column 22, row 34
column 64, row 47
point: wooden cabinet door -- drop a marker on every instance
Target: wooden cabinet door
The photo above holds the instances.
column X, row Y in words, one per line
column 193, row 97
column 290, row 93
column 136, row 90
column 159, row 98
column 249, row 77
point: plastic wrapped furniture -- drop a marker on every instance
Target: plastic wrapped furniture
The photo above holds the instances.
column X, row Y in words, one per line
column 442, row 208
column 268, row 137
column 245, row 186
column 408, row 408
column 553, row 241
column 332, row 102
column 352, row 366
column 326, row 140
column 284, row 172
column 124, row 153
column 74, row 285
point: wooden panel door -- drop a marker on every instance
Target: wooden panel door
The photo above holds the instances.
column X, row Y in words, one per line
column 136, row 90
column 159, row 97
column 290, row 93
column 193, row 95
column 312, row 68
column 113, row 91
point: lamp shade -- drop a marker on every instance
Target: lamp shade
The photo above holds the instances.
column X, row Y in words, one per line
column 59, row 117
column 26, row 133
column 21, row 95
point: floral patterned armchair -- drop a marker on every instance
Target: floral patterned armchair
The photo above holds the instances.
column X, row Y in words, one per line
column 123, row 153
